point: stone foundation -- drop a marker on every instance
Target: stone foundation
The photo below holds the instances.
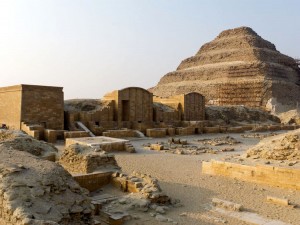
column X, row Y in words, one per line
column 270, row 175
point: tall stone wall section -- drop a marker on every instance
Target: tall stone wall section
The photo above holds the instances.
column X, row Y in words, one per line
column 194, row 107
column 140, row 104
column 10, row 106
column 42, row 104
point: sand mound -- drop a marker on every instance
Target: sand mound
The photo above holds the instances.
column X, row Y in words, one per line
column 280, row 147
column 23, row 142
column 36, row 191
column 78, row 158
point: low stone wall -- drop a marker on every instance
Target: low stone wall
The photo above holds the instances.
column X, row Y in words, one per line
column 211, row 130
column 170, row 131
column 120, row 133
column 107, row 144
column 75, row 134
column 35, row 131
column 270, row 175
column 93, row 181
column 185, row 130
column 156, row 132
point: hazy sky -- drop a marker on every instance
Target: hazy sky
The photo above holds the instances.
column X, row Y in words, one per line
column 91, row 47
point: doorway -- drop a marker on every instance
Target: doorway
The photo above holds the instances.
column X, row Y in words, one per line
column 125, row 110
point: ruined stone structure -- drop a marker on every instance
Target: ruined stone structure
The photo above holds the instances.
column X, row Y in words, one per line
column 83, row 159
column 32, row 104
column 131, row 105
column 36, row 191
column 237, row 68
column 134, row 108
column 190, row 107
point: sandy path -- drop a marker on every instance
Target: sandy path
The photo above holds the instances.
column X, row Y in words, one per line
column 180, row 177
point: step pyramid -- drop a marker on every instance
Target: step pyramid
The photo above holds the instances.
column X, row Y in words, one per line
column 237, row 68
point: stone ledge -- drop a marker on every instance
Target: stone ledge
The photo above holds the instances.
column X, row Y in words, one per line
column 270, row 175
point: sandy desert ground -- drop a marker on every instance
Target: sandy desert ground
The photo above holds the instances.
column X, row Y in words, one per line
column 181, row 178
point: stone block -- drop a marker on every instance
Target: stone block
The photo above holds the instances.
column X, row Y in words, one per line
column 263, row 174
column 211, row 130
column 93, row 181
column 156, row 147
column 156, row 132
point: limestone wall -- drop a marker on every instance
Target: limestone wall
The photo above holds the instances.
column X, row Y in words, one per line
column 10, row 106
column 270, row 175
column 140, row 105
column 44, row 105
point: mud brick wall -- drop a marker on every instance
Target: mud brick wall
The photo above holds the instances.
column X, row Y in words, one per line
column 10, row 106
column 41, row 104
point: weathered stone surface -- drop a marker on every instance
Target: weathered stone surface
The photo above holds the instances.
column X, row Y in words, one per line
column 23, row 142
column 77, row 158
column 36, row 191
column 32, row 104
column 280, row 147
column 237, row 68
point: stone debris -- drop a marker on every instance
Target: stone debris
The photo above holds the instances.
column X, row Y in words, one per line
column 130, row 206
column 145, row 197
column 280, row 147
column 180, row 149
column 226, row 140
column 23, row 142
column 77, row 158
column 280, row 201
column 156, row 147
column 257, row 135
column 36, row 191
column 144, row 184
column 231, row 206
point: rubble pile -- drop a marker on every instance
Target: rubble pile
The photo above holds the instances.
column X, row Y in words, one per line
column 280, row 147
column 145, row 199
column 179, row 149
column 77, row 158
column 23, row 142
column 257, row 135
column 227, row 140
column 144, row 184
column 36, row 191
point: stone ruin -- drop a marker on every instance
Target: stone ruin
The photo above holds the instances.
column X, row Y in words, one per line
column 36, row 191
column 22, row 142
column 237, row 68
column 279, row 147
column 84, row 159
